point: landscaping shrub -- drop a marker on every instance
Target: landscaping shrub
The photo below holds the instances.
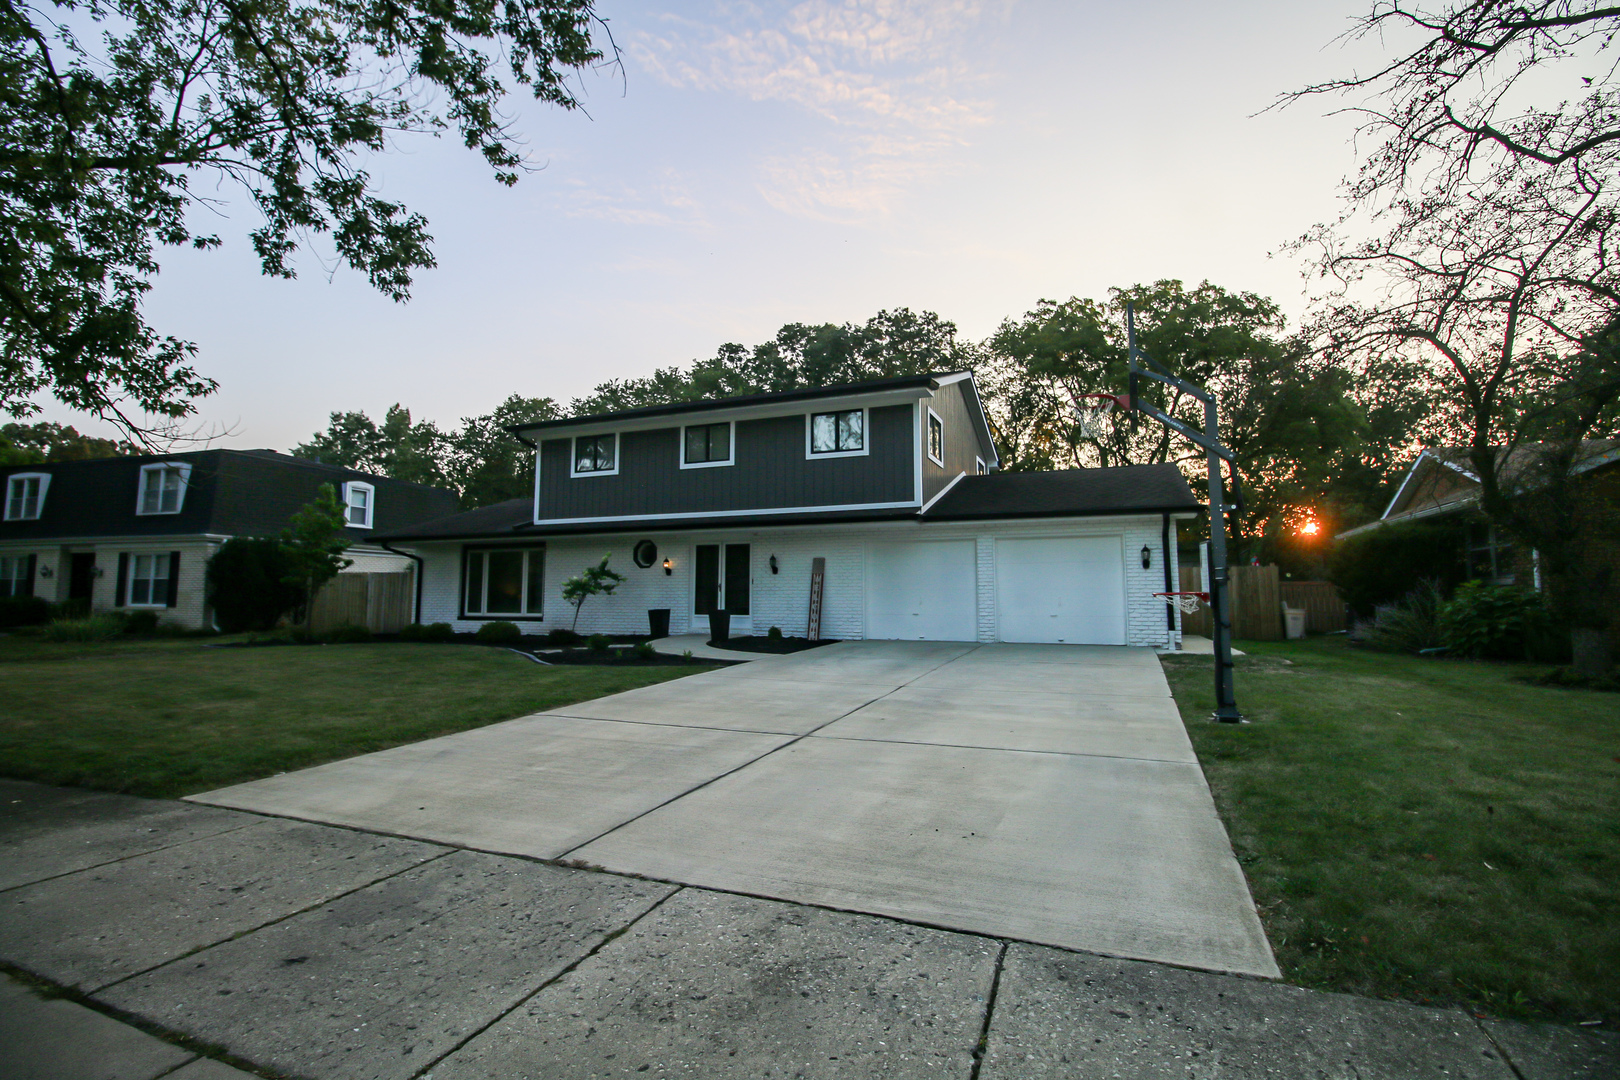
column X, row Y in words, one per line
column 1385, row 565
column 94, row 628
column 645, row 651
column 348, row 634
column 775, row 633
column 24, row 611
column 439, row 632
column 562, row 637
column 499, row 633
column 1493, row 622
column 1409, row 626
column 141, row 622
column 247, row 584
column 599, row 643
column 412, row 632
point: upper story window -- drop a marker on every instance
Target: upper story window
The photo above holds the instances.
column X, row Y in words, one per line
column 163, row 488
column 979, row 467
column 359, row 499
column 706, row 444
column 25, row 495
column 596, row 455
column 936, row 438
column 837, row 433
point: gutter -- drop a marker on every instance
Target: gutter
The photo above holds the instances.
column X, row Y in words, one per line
column 416, row 613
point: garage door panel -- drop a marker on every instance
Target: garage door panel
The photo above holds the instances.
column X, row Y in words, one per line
column 1061, row 589
column 923, row 591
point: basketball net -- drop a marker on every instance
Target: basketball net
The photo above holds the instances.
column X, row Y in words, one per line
column 1092, row 416
column 1187, row 602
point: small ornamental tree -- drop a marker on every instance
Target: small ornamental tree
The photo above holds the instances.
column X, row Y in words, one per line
column 313, row 542
column 596, row 579
column 247, row 584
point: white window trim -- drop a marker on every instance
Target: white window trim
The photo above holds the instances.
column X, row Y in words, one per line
column 129, row 581
column 731, row 447
column 927, row 425
column 185, row 485
column 39, row 507
column 573, row 456
column 483, row 601
column 371, row 503
column 866, row 436
column 979, row 467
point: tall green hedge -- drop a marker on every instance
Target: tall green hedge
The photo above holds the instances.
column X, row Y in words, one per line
column 1383, row 565
column 248, row 586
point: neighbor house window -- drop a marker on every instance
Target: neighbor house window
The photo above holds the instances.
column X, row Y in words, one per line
column 25, row 495
column 936, row 438
column 163, row 489
column 149, row 580
column 16, row 575
column 978, row 466
column 596, row 454
column 505, row 581
column 358, row 499
column 838, row 432
column 706, row 444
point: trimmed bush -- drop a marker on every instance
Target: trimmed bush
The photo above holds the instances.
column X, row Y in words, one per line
column 1387, row 564
column 141, row 622
column 348, row 634
column 94, row 628
column 645, row 651
column 412, row 632
column 775, row 633
column 499, row 633
column 1493, row 622
column 599, row 643
column 562, row 637
column 24, row 611
column 247, row 584
column 439, row 632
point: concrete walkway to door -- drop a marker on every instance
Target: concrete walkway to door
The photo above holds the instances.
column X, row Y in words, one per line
column 1045, row 793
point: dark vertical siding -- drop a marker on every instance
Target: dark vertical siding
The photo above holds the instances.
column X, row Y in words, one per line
column 961, row 440
column 771, row 472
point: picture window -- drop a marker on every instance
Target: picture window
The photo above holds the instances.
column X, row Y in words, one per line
column 505, row 581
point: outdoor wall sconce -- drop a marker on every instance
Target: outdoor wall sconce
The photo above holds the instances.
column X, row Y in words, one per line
column 97, row 571
column 1147, row 557
column 669, row 568
column 774, row 567
column 46, row 571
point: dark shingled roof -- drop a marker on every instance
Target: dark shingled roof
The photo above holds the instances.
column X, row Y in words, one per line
column 1129, row 489
column 1126, row 489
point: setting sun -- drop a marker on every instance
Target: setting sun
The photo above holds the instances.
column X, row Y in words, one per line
column 1309, row 528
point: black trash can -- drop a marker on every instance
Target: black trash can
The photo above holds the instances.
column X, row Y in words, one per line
column 658, row 621
column 719, row 626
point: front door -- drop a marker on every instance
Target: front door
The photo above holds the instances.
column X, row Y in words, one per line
column 723, row 572
column 81, row 578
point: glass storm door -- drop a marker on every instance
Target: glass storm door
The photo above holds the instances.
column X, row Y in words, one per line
column 723, row 572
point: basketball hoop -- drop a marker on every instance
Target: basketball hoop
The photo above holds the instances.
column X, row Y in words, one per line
column 1187, row 602
column 1091, row 413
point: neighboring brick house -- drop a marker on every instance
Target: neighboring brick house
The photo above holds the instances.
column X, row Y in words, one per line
column 137, row 532
column 726, row 505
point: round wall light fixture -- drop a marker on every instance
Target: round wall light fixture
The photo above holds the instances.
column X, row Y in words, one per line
column 645, row 553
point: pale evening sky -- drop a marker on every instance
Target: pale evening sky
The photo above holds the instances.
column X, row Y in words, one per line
column 763, row 163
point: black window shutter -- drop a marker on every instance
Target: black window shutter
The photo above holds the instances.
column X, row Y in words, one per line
column 28, row 582
column 123, row 578
column 174, row 579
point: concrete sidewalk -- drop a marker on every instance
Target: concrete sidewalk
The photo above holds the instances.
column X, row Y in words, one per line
column 149, row 939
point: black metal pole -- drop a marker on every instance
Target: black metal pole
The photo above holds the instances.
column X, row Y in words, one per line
column 1220, row 609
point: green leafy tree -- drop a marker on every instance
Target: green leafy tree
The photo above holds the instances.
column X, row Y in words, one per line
column 398, row 447
column 313, row 543
column 485, row 461
column 596, row 580
column 249, row 586
column 28, row 444
column 114, row 113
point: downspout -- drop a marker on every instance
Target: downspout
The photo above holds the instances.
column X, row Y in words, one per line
column 1169, row 586
column 416, row 614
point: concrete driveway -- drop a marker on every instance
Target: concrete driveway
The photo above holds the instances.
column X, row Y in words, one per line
column 1044, row 793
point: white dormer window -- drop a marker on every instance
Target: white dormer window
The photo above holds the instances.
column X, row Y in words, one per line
column 25, row 495
column 936, row 438
column 595, row 455
column 358, row 499
column 163, row 488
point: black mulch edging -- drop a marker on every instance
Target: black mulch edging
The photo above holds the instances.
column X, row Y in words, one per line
column 776, row 646
column 624, row 658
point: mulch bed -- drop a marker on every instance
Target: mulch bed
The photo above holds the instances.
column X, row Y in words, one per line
column 623, row 658
column 776, row 646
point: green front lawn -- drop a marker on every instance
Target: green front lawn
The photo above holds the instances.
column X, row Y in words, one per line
column 1432, row 830
column 169, row 717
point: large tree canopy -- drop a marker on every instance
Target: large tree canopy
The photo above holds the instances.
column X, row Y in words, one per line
column 114, row 114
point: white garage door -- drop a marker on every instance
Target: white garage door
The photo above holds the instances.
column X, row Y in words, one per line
column 922, row 591
column 1070, row 590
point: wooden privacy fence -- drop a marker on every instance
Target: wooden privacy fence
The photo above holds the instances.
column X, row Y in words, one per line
column 1258, row 594
column 1324, row 607
column 381, row 603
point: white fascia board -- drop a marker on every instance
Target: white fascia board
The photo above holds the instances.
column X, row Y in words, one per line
column 1595, row 462
column 994, row 460
column 955, row 378
column 720, row 411
column 75, row 541
column 698, row 515
column 1411, row 472
column 942, row 492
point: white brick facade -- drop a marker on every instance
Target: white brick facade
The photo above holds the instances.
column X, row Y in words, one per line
column 782, row 599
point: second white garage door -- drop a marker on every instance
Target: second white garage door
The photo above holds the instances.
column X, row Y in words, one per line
column 1069, row 589
column 922, row 591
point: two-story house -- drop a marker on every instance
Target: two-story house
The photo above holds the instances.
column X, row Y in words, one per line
column 137, row 532
column 728, row 504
